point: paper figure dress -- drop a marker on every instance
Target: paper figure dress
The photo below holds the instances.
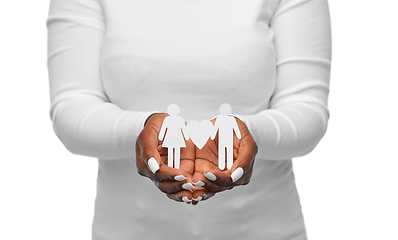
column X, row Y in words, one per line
column 173, row 132
column 226, row 126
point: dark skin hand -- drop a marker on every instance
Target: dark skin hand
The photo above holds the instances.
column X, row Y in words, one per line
column 206, row 160
column 194, row 162
column 148, row 145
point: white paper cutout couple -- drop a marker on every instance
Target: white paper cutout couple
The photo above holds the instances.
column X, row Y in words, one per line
column 199, row 133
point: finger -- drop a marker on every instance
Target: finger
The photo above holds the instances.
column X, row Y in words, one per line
column 182, row 196
column 148, row 148
column 173, row 186
column 201, row 194
column 245, row 179
column 148, row 141
column 142, row 167
column 216, row 176
column 166, row 173
column 200, row 181
column 210, row 174
column 246, row 156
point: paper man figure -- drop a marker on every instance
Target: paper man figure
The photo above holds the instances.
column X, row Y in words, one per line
column 225, row 125
column 173, row 139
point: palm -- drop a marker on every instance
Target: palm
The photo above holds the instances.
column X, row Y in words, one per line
column 206, row 160
column 207, row 157
column 187, row 159
column 187, row 153
column 148, row 145
column 196, row 163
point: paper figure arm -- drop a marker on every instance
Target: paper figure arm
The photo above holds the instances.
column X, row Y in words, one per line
column 185, row 132
column 215, row 130
column 236, row 129
column 163, row 129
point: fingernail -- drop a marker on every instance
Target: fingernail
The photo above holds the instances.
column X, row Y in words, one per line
column 180, row 178
column 153, row 164
column 210, row 176
column 188, row 186
column 197, row 199
column 199, row 184
column 237, row 174
column 185, row 199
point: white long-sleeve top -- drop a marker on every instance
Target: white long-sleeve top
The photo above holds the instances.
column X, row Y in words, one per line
column 114, row 62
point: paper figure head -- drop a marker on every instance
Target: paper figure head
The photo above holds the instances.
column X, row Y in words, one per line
column 225, row 109
column 173, row 110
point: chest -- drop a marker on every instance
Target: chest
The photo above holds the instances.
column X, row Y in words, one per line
column 189, row 47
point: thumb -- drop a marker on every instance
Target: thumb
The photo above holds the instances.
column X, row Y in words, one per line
column 246, row 155
column 148, row 144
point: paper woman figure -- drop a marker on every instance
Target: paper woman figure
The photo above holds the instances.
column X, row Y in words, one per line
column 173, row 137
column 225, row 125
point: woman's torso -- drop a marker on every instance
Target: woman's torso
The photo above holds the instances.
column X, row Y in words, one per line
column 198, row 55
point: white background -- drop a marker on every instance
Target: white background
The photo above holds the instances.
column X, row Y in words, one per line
column 348, row 185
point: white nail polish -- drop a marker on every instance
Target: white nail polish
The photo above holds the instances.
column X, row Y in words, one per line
column 237, row 174
column 210, row 176
column 180, row 178
column 185, row 199
column 188, row 186
column 197, row 199
column 153, row 164
column 199, row 184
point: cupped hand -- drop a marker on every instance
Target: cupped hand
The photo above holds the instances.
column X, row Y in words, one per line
column 152, row 159
column 209, row 179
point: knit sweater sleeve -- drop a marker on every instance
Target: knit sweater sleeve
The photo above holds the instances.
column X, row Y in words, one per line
column 83, row 118
column 298, row 114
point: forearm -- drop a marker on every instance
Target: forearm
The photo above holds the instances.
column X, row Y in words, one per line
column 287, row 132
column 94, row 128
column 297, row 116
column 83, row 117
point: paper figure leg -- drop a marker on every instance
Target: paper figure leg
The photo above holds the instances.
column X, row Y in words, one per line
column 221, row 158
column 177, row 158
column 230, row 157
column 170, row 157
